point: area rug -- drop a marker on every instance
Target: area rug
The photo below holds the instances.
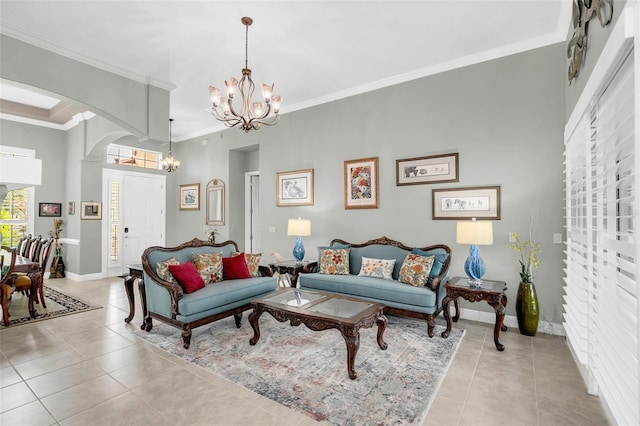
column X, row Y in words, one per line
column 58, row 304
column 307, row 371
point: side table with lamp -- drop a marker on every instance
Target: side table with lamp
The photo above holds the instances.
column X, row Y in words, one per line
column 474, row 288
column 295, row 228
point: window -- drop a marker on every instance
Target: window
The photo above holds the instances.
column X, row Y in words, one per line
column 17, row 212
column 129, row 156
column 602, row 290
column 114, row 215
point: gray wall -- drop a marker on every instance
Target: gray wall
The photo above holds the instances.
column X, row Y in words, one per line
column 597, row 38
column 50, row 147
column 140, row 108
column 504, row 117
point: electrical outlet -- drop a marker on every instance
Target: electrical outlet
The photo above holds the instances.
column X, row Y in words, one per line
column 557, row 238
column 512, row 237
column 272, row 229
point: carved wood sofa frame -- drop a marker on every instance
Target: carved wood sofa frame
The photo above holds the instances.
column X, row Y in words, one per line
column 176, row 292
column 437, row 281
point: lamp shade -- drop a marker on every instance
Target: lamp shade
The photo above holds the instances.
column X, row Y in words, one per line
column 478, row 232
column 299, row 227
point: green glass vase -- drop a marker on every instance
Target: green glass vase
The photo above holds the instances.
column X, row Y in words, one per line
column 527, row 309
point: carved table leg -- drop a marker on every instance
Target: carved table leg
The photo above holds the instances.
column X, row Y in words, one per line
column 382, row 326
column 128, row 286
column 447, row 315
column 456, row 304
column 254, row 316
column 504, row 304
column 147, row 324
column 499, row 307
column 35, row 278
column 352, row 339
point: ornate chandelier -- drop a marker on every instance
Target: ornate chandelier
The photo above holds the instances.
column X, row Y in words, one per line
column 252, row 114
column 170, row 163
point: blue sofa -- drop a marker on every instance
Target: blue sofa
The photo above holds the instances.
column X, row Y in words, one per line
column 399, row 298
column 168, row 302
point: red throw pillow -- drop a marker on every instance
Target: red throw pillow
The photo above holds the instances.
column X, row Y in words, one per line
column 235, row 268
column 187, row 276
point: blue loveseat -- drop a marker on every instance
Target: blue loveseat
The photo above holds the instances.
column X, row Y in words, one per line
column 168, row 302
column 399, row 298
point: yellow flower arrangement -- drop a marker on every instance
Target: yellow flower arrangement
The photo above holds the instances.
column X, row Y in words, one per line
column 529, row 251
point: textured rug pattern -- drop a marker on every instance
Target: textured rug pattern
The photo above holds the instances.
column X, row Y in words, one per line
column 307, row 371
column 58, row 304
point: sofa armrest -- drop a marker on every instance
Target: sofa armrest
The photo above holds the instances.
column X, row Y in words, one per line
column 265, row 271
column 309, row 267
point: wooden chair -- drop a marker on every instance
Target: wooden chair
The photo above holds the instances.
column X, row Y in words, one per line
column 7, row 258
column 14, row 282
column 43, row 258
column 23, row 245
column 34, row 248
column 41, row 255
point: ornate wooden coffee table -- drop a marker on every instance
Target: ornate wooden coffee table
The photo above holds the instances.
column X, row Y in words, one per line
column 322, row 311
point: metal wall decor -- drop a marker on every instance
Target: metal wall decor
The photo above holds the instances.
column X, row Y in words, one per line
column 583, row 11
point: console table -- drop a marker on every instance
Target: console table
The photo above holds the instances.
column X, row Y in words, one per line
column 492, row 292
column 135, row 272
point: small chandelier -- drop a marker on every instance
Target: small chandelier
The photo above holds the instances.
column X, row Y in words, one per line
column 252, row 114
column 170, row 163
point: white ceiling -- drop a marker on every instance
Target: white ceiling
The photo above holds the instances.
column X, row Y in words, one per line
column 314, row 51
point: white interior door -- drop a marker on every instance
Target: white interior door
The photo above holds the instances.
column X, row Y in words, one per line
column 143, row 215
column 135, row 219
column 252, row 212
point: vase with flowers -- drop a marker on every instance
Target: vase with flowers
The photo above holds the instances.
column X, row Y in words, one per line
column 57, row 265
column 527, row 309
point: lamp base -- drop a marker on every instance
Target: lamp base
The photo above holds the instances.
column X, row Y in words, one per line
column 298, row 250
column 474, row 267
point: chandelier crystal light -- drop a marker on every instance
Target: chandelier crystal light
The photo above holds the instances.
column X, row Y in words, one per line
column 170, row 163
column 252, row 114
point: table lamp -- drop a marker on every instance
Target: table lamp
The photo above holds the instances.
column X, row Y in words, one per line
column 476, row 233
column 299, row 228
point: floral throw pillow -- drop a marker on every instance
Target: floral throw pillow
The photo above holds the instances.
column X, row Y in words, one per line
column 415, row 270
column 162, row 269
column 209, row 266
column 377, row 268
column 334, row 261
column 253, row 262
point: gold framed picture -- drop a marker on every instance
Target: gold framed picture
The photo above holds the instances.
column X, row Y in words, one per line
column 189, row 196
column 361, row 183
column 294, row 188
column 90, row 210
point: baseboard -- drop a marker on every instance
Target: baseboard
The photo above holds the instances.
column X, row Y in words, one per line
column 509, row 320
column 85, row 277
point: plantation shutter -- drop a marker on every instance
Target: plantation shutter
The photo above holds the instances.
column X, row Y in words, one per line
column 601, row 300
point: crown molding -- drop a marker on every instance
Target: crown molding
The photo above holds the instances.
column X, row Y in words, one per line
column 12, row 32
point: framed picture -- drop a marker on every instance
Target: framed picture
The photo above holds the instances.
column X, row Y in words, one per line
column 294, row 188
column 90, row 210
column 50, row 209
column 361, row 183
column 431, row 169
column 189, row 196
column 481, row 202
column 71, row 208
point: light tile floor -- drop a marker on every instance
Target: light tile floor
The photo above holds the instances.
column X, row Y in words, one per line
column 89, row 369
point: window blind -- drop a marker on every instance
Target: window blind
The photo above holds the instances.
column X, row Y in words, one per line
column 601, row 291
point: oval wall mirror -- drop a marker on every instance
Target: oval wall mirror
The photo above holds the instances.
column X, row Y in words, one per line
column 215, row 202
